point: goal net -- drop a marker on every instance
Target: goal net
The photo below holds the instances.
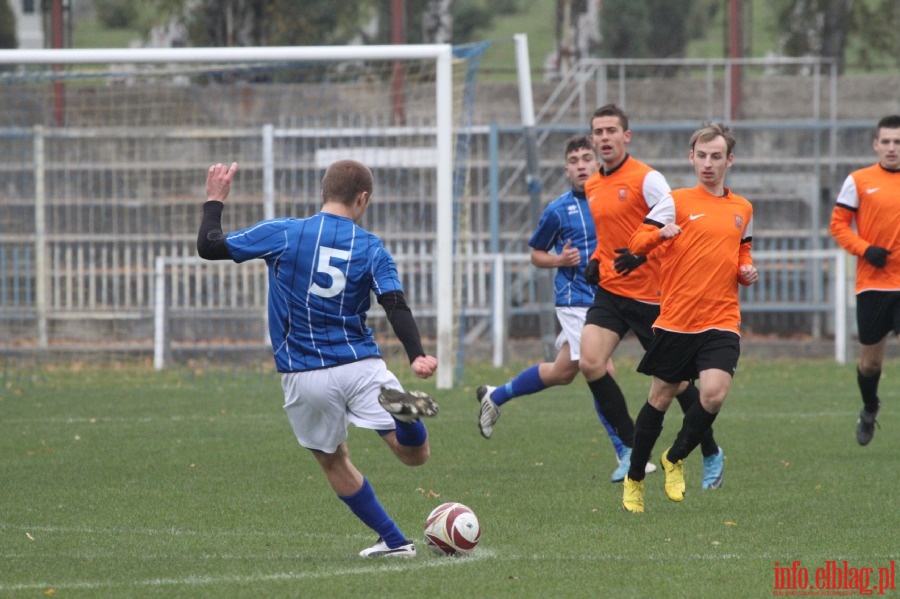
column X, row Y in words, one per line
column 103, row 159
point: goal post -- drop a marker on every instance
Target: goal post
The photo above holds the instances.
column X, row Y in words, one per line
column 442, row 151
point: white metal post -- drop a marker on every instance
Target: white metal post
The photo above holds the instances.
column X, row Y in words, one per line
column 41, row 270
column 498, row 308
column 159, row 313
column 444, row 259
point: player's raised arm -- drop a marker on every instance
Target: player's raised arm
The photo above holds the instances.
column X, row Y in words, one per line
column 218, row 181
column 210, row 237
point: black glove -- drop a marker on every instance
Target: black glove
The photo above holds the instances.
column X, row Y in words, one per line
column 626, row 261
column 592, row 272
column 876, row 256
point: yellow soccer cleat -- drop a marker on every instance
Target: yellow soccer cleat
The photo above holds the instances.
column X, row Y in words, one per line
column 633, row 495
column 674, row 477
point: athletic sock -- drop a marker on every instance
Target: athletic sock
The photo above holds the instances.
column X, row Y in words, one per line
column 617, row 444
column 708, row 444
column 525, row 383
column 647, row 429
column 610, row 402
column 868, row 388
column 410, row 434
column 696, row 422
column 366, row 507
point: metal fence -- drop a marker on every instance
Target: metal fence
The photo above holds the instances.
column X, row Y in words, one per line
column 97, row 224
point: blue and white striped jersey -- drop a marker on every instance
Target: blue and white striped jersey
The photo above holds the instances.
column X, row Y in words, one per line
column 321, row 272
column 568, row 218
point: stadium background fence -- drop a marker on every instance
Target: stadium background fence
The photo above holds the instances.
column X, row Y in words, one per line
column 104, row 190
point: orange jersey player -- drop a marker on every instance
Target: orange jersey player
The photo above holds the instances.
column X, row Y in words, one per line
column 700, row 275
column 871, row 197
column 627, row 297
column 705, row 233
column 619, row 199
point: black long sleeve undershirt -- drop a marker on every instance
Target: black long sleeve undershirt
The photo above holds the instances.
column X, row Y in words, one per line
column 403, row 323
column 211, row 246
column 210, row 238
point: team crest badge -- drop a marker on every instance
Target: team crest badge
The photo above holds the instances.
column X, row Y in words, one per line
column 623, row 193
column 738, row 221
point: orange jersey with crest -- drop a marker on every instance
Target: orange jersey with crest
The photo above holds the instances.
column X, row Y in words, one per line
column 619, row 201
column 699, row 267
column 871, row 197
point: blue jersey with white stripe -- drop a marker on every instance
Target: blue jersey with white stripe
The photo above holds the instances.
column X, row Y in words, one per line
column 568, row 218
column 321, row 272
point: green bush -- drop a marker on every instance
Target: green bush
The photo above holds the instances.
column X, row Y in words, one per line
column 8, row 37
column 117, row 14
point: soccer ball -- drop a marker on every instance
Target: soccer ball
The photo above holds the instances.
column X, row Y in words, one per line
column 452, row 529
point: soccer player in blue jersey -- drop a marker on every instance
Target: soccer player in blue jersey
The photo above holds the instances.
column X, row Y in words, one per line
column 564, row 239
column 322, row 270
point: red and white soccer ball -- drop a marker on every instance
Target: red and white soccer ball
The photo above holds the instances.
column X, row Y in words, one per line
column 452, row 529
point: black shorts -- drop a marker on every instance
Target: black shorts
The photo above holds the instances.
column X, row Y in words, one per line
column 675, row 357
column 619, row 314
column 877, row 314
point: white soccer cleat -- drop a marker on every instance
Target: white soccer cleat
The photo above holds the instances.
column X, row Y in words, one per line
column 490, row 412
column 407, row 406
column 380, row 549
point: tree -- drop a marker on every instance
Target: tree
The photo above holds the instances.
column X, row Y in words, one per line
column 8, row 38
column 437, row 22
column 322, row 22
column 877, row 24
column 577, row 33
column 826, row 28
column 648, row 29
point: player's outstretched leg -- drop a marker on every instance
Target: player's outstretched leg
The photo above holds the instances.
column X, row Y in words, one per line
column 407, row 406
column 490, row 412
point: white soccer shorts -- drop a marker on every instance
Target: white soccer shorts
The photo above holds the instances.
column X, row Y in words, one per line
column 571, row 320
column 320, row 404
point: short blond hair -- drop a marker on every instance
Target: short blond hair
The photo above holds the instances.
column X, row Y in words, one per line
column 710, row 131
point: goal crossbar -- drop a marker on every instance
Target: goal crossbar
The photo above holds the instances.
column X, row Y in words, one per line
column 442, row 54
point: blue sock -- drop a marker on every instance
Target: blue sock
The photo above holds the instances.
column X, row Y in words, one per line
column 411, row 434
column 366, row 507
column 616, row 441
column 525, row 383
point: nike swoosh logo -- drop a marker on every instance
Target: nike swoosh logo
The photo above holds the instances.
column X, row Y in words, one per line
column 872, row 190
column 696, row 216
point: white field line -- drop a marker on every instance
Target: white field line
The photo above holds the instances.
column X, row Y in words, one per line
column 373, row 567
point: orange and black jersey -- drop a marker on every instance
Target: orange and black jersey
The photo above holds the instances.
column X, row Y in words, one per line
column 699, row 267
column 871, row 197
column 619, row 200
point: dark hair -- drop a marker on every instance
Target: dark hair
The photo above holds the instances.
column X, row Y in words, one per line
column 891, row 121
column 578, row 142
column 612, row 110
column 710, row 131
column 344, row 180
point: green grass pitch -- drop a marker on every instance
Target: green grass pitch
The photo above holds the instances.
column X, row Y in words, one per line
column 123, row 482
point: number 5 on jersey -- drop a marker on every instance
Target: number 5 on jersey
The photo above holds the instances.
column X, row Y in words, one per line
column 338, row 280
